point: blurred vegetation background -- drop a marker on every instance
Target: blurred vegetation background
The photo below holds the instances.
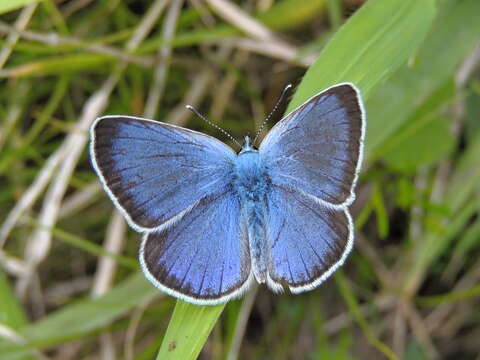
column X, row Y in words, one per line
column 70, row 286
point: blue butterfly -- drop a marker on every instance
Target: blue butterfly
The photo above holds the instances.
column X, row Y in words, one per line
column 214, row 220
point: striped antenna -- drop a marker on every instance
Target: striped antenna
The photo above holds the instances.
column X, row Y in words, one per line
column 195, row 111
column 284, row 92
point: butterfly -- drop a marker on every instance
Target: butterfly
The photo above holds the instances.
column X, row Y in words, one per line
column 214, row 221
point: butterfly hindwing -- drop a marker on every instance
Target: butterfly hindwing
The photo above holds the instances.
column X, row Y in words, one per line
column 156, row 172
column 317, row 148
column 204, row 258
column 307, row 241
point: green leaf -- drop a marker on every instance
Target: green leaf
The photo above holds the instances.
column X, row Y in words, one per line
column 11, row 312
column 425, row 138
column 188, row 330
column 64, row 64
column 334, row 8
column 381, row 213
column 472, row 114
column 456, row 28
column 82, row 318
column 371, row 45
column 289, row 14
column 9, row 5
column 422, row 143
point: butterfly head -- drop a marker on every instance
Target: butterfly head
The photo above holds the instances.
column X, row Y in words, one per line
column 247, row 146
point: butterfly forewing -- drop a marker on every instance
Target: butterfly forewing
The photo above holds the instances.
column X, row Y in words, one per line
column 156, row 172
column 317, row 148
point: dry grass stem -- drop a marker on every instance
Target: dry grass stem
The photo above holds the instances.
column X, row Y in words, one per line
column 13, row 36
column 158, row 84
column 73, row 6
column 341, row 321
column 30, row 196
column 207, row 19
column 147, row 24
column 38, row 246
column 133, row 324
column 12, row 265
column 114, row 243
column 468, row 67
column 274, row 49
column 438, row 316
column 262, row 40
column 223, row 92
column 107, row 347
column 420, row 330
column 15, row 111
column 62, row 291
column 384, row 274
column 199, row 87
column 80, row 199
column 240, row 19
column 54, row 39
column 399, row 331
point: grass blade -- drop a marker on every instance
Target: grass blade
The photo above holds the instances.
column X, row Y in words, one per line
column 188, row 330
column 456, row 28
column 9, row 5
column 70, row 322
column 373, row 43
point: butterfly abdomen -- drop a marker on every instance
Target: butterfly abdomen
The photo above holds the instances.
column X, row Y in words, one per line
column 251, row 184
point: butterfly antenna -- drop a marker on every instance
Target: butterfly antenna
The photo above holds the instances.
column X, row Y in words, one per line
column 195, row 111
column 284, row 92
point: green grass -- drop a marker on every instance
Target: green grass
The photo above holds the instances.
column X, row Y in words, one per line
column 410, row 288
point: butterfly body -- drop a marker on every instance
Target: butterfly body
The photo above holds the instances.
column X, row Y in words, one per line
column 214, row 220
column 251, row 184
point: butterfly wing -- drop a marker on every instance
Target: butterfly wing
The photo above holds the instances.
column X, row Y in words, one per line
column 317, row 148
column 156, row 172
column 307, row 241
column 203, row 259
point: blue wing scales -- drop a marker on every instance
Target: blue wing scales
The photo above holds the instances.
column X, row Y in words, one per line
column 204, row 258
column 156, row 172
column 306, row 241
column 317, row 148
